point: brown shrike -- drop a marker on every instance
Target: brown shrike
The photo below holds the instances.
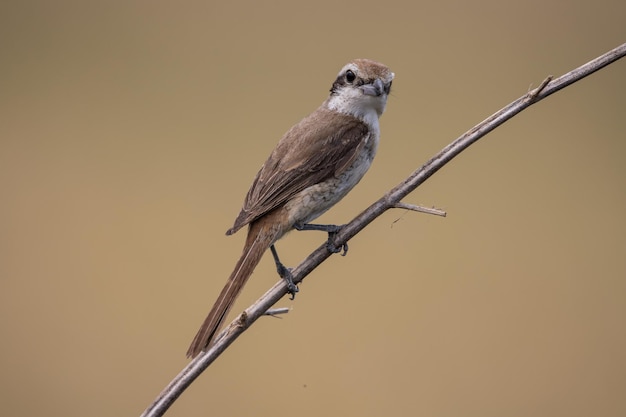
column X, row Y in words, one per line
column 315, row 164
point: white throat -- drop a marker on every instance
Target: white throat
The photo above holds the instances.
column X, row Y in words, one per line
column 355, row 103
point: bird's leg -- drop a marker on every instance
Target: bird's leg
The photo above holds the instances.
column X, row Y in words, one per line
column 285, row 273
column 332, row 231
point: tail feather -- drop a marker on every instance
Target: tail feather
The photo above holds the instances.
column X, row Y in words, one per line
column 257, row 242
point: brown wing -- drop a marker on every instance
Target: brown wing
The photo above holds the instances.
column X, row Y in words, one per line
column 321, row 146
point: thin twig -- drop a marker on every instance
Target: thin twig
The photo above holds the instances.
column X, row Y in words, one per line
column 389, row 200
column 276, row 311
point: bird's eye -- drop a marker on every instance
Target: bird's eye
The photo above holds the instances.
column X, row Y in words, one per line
column 350, row 76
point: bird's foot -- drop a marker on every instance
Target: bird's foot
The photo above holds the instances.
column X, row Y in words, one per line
column 285, row 273
column 330, row 243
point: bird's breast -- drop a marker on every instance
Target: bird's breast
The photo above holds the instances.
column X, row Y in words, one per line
column 315, row 200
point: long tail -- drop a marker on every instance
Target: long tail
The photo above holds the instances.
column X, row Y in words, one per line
column 261, row 235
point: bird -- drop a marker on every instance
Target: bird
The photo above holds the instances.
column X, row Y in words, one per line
column 313, row 166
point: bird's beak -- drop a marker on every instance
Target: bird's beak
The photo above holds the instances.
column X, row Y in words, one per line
column 374, row 89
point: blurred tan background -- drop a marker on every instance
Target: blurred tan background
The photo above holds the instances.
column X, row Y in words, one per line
column 130, row 132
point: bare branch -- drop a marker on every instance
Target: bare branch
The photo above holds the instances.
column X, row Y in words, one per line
column 390, row 200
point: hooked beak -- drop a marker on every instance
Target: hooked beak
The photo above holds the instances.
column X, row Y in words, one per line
column 374, row 89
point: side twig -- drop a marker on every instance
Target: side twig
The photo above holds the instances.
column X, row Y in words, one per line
column 420, row 209
column 390, row 200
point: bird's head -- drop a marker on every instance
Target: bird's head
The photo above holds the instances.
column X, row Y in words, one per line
column 361, row 89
